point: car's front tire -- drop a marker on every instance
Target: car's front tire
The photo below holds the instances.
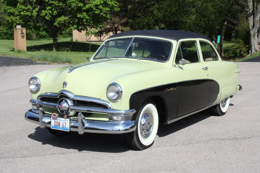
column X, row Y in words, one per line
column 221, row 108
column 58, row 133
column 147, row 122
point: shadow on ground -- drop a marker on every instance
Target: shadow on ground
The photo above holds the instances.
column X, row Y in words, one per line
column 257, row 59
column 12, row 61
column 105, row 142
column 65, row 46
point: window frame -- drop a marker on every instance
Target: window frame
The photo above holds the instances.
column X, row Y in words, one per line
column 197, row 49
column 132, row 40
column 213, row 47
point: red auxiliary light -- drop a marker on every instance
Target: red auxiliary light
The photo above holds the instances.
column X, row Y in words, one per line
column 54, row 115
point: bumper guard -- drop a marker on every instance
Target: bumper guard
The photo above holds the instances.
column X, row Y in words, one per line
column 81, row 125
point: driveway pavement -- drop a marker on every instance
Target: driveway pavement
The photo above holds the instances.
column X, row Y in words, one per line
column 199, row 143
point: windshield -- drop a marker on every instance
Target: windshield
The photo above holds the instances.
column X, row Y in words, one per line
column 141, row 48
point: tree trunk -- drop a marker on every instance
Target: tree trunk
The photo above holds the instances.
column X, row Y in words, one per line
column 221, row 50
column 33, row 35
column 55, row 42
column 253, row 19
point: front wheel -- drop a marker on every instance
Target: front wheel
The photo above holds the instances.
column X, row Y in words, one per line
column 147, row 123
column 222, row 107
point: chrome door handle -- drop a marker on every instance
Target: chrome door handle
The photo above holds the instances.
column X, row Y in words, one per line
column 205, row 68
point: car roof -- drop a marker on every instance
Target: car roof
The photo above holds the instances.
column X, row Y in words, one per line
column 170, row 34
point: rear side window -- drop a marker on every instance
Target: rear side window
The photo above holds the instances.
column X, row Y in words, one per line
column 208, row 53
column 188, row 51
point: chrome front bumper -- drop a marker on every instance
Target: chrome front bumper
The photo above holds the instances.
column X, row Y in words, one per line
column 81, row 125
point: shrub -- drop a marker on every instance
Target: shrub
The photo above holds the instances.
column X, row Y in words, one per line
column 238, row 50
column 6, row 34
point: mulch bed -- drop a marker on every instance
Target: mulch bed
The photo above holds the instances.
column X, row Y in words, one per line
column 12, row 61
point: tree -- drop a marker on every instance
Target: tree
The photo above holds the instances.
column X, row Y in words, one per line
column 254, row 19
column 2, row 20
column 54, row 16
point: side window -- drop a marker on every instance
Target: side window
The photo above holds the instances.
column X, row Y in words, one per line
column 188, row 51
column 208, row 53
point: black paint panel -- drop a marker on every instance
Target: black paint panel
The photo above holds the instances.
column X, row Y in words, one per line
column 185, row 97
column 169, row 99
column 192, row 96
column 213, row 92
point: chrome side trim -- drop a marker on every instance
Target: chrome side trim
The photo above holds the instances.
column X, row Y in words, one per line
column 81, row 125
column 184, row 116
column 75, row 97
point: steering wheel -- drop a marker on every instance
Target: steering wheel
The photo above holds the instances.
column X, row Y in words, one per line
column 157, row 56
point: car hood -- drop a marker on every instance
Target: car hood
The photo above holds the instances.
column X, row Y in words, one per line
column 91, row 79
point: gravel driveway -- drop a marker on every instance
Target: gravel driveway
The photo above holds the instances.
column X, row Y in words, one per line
column 199, row 143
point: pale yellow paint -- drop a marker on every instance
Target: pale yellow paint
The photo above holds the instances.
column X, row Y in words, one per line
column 134, row 75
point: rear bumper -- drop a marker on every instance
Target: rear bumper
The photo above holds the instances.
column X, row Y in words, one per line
column 81, row 125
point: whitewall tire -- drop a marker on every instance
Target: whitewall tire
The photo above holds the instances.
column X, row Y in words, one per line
column 147, row 122
column 222, row 107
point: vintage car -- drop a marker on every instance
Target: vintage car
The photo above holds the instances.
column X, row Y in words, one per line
column 135, row 80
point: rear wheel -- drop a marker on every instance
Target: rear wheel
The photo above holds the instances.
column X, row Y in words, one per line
column 147, row 123
column 222, row 107
column 58, row 133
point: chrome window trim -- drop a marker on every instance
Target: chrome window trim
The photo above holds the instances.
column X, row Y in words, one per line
column 213, row 47
column 129, row 46
column 74, row 97
column 140, row 58
column 140, row 36
column 105, row 44
column 197, row 48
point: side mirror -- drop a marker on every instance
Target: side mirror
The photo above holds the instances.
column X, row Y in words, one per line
column 182, row 62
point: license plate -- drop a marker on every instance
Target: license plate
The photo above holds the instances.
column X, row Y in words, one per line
column 60, row 124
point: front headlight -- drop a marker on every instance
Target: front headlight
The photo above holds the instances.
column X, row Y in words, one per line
column 34, row 85
column 114, row 92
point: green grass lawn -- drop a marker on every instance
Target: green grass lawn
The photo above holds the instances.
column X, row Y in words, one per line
column 41, row 49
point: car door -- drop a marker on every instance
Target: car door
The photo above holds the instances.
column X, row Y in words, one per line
column 193, row 86
column 216, row 69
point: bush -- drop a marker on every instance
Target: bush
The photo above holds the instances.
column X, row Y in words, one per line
column 38, row 34
column 238, row 50
column 6, row 34
column 51, row 58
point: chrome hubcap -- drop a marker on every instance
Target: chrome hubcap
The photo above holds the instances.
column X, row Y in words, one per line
column 224, row 102
column 146, row 124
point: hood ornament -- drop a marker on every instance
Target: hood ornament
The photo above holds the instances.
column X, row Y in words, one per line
column 64, row 85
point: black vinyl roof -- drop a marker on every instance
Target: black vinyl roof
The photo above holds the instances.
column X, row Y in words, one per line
column 170, row 34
